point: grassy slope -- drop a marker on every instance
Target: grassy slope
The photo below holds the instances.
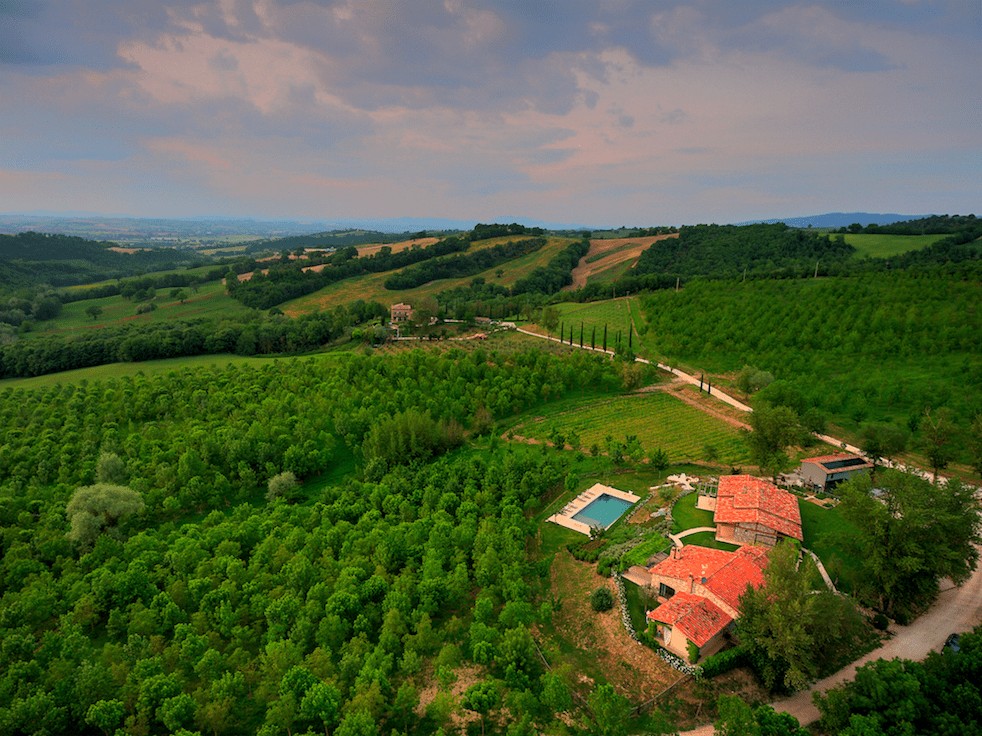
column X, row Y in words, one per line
column 117, row 370
column 370, row 286
column 209, row 301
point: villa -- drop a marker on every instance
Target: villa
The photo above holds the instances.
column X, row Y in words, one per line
column 753, row 511
column 698, row 589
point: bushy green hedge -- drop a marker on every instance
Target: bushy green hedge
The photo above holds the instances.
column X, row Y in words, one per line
column 725, row 661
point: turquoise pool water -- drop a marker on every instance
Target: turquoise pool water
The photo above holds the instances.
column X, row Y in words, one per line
column 603, row 511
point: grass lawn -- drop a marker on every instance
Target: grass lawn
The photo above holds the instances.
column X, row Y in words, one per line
column 708, row 539
column 819, row 527
column 687, row 516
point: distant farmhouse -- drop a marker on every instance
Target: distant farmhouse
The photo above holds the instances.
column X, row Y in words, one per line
column 401, row 312
column 699, row 590
column 827, row 471
column 748, row 510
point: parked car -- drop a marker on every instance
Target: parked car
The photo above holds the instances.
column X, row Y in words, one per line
column 952, row 643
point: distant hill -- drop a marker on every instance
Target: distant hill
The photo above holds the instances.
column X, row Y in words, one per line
column 122, row 228
column 836, row 219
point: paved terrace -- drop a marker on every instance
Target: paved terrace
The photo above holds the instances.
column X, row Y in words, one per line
column 565, row 517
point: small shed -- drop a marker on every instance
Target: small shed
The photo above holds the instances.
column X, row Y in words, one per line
column 827, row 471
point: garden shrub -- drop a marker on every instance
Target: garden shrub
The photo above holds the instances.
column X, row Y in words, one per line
column 693, row 649
column 724, row 661
column 601, row 599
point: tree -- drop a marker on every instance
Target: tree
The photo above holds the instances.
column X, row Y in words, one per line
column 773, row 430
column 792, row 632
column 321, row 703
column 937, row 433
column 282, row 485
column 658, row 459
column 93, row 311
column 914, row 534
column 98, row 508
column 105, row 715
column 482, row 698
column 550, row 318
column 882, row 441
column 611, row 712
column 109, row 468
column 975, row 443
column 736, row 718
column 774, row 623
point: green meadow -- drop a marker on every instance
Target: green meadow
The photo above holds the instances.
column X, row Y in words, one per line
column 210, row 300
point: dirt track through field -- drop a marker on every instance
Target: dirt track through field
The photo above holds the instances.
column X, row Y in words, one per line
column 584, row 270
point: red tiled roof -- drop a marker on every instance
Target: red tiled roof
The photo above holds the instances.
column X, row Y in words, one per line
column 726, row 574
column 698, row 618
column 749, row 500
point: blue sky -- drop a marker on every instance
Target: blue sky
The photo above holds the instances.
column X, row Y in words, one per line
column 601, row 113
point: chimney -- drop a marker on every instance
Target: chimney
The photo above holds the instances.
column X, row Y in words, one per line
column 692, row 584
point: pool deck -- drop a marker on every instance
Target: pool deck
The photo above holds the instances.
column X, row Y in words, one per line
column 565, row 517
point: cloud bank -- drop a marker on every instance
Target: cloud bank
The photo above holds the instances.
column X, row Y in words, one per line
column 607, row 112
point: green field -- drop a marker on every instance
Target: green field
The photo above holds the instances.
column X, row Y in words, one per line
column 657, row 419
column 209, row 301
column 148, row 368
column 883, row 246
column 611, row 274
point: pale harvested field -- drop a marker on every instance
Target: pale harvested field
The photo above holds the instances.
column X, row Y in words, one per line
column 119, row 249
column 368, row 250
column 585, row 270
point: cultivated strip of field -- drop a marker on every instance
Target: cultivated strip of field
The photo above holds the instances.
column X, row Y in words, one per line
column 613, row 252
column 373, row 248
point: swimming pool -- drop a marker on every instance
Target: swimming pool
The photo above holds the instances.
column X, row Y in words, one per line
column 603, row 511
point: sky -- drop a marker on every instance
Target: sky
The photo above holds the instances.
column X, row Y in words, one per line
column 598, row 113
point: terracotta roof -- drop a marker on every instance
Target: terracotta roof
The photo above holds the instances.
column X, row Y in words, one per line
column 698, row 618
column 726, row 574
column 749, row 500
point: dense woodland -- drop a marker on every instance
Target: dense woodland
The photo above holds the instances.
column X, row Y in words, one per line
column 311, row 544
column 262, row 615
column 30, row 258
column 876, row 348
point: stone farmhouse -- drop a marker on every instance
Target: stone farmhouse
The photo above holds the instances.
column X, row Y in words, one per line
column 401, row 312
column 698, row 589
column 827, row 471
column 749, row 510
